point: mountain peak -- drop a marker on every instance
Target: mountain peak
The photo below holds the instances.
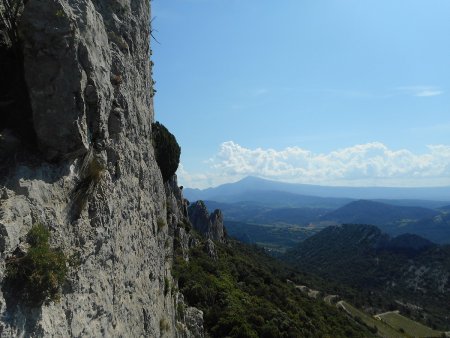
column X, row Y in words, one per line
column 252, row 179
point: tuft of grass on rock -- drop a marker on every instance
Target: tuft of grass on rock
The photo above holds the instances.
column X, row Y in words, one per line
column 36, row 277
column 164, row 325
column 91, row 172
column 160, row 223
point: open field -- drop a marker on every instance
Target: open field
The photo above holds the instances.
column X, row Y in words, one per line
column 410, row 327
column 383, row 329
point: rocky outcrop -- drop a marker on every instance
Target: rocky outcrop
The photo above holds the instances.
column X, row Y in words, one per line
column 102, row 196
column 217, row 228
column 210, row 226
column 87, row 70
column 189, row 319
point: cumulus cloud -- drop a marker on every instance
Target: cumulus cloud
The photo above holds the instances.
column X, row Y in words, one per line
column 360, row 165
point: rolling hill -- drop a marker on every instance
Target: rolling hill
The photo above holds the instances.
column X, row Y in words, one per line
column 406, row 270
column 376, row 213
column 252, row 212
column 395, row 220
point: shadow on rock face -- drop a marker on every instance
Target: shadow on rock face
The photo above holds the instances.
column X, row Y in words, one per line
column 15, row 108
column 18, row 314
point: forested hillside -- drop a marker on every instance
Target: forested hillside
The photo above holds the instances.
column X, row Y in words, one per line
column 245, row 293
column 381, row 272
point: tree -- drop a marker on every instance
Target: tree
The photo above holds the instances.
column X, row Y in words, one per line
column 167, row 150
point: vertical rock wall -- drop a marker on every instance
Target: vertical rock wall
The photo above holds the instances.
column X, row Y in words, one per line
column 101, row 195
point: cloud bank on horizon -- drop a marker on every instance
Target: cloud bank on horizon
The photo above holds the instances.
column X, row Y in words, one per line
column 370, row 164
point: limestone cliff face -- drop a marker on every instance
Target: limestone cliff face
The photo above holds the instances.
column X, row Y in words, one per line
column 102, row 196
column 209, row 225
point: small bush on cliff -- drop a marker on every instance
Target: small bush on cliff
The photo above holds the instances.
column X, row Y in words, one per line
column 36, row 277
column 167, row 150
column 91, row 172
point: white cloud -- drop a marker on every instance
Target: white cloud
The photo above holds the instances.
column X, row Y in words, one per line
column 429, row 92
column 371, row 164
column 259, row 92
column 421, row 91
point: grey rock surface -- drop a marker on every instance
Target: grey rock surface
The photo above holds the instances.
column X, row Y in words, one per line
column 87, row 70
column 211, row 226
column 210, row 249
column 189, row 319
column 217, row 227
column 194, row 321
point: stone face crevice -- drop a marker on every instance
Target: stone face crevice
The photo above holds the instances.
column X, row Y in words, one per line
column 16, row 117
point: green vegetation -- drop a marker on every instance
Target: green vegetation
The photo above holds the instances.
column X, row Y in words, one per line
column 167, row 150
column 164, row 325
column 246, row 294
column 118, row 40
column 180, row 310
column 60, row 13
column 409, row 326
column 185, row 225
column 91, row 172
column 166, row 286
column 160, row 223
column 369, row 270
column 37, row 276
column 381, row 328
column 276, row 238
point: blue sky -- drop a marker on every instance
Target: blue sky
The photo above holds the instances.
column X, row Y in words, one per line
column 336, row 92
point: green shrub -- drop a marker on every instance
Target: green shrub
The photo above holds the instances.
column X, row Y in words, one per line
column 118, row 40
column 180, row 310
column 164, row 325
column 160, row 223
column 186, row 225
column 37, row 276
column 167, row 150
column 166, row 286
column 91, row 172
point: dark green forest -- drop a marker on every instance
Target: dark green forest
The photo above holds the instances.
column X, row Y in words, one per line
column 245, row 293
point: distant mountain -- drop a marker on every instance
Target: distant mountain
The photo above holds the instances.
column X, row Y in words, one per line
column 275, row 199
column 429, row 204
column 409, row 243
column 231, row 192
column 407, row 269
column 395, row 220
column 376, row 213
column 436, row 229
column 445, row 208
column 252, row 212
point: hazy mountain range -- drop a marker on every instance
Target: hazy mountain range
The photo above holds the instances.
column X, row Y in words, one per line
column 251, row 188
column 280, row 215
